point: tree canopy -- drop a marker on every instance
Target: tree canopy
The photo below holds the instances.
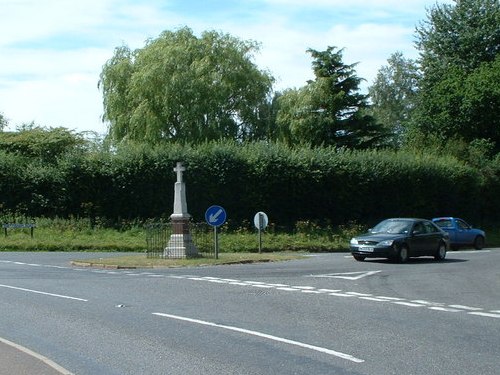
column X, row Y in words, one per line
column 185, row 88
column 35, row 141
column 459, row 56
column 329, row 110
column 3, row 121
column 464, row 34
column 393, row 95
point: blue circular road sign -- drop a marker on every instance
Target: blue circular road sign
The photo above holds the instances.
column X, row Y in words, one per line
column 215, row 216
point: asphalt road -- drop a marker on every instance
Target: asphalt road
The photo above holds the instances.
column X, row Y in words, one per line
column 327, row 314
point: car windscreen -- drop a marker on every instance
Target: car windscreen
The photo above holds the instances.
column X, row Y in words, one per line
column 393, row 226
column 444, row 223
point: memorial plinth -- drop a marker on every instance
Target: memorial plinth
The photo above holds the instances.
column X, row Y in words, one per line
column 181, row 243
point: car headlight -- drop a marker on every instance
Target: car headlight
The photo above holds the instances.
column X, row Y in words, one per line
column 354, row 241
column 386, row 243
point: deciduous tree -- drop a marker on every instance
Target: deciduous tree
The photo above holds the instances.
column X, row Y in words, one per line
column 460, row 87
column 181, row 87
column 393, row 95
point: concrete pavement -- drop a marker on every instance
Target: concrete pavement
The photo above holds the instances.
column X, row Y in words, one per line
column 17, row 360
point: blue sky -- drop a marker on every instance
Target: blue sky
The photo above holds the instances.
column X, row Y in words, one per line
column 52, row 51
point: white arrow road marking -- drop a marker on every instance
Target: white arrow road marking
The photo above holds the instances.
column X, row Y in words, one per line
column 44, row 293
column 213, row 218
column 348, row 275
column 266, row 336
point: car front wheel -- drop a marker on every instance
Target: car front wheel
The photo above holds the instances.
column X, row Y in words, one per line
column 403, row 254
column 441, row 252
column 359, row 258
column 478, row 242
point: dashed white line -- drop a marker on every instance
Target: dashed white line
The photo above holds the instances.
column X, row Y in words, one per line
column 261, row 286
column 340, row 295
column 437, row 308
column 278, row 286
column 390, row 298
column 312, row 291
column 288, row 289
column 489, row 315
column 427, row 303
column 265, row 336
column 462, row 307
column 409, row 304
column 330, row 290
column 373, row 299
column 359, row 294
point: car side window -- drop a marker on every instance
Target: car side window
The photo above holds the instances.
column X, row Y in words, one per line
column 418, row 228
column 429, row 228
column 462, row 224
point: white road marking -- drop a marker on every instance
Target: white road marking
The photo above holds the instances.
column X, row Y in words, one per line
column 437, row 308
column 462, row 307
column 341, row 295
column 348, row 275
column 422, row 302
column 284, row 287
column 312, row 291
column 44, row 293
column 330, row 290
column 265, row 336
column 373, row 299
column 390, row 298
column 489, row 315
column 407, row 304
column 359, row 294
column 471, row 251
column 262, row 286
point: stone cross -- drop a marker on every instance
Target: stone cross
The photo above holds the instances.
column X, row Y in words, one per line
column 179, row 169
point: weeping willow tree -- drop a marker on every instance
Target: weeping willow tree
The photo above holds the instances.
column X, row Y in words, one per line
column 181, row 87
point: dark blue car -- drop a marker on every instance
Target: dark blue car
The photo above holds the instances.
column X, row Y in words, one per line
column 461, row 234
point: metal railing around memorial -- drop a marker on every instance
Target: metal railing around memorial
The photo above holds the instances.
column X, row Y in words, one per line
column 159, row 237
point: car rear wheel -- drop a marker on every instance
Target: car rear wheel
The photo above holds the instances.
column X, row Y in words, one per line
column 441, row 252
column 359, row 258
column 478, row 242
column 403, row 254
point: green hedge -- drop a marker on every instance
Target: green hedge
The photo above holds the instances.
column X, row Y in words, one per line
column 325, row 185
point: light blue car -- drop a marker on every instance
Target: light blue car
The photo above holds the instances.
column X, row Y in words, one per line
column 461, row 234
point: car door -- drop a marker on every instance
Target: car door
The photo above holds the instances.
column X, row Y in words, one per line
column 464, row 234
column 433, row 238
column 418, row 239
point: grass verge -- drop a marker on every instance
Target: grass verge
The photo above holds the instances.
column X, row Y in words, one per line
column 141, row 261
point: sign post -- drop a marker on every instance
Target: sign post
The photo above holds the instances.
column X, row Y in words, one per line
column 215, row 216
column 260, row 221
